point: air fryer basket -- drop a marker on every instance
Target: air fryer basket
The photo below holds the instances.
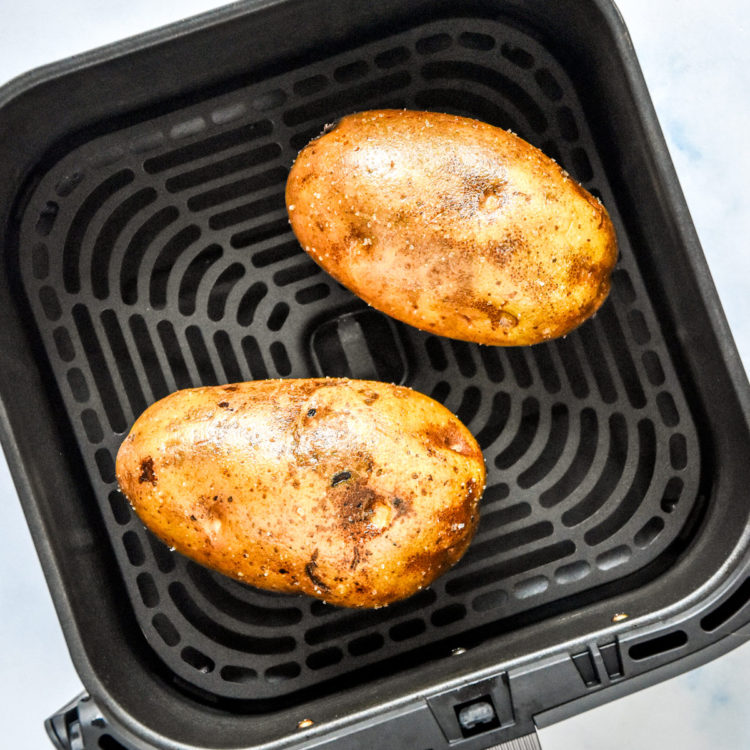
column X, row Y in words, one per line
column 150, row 251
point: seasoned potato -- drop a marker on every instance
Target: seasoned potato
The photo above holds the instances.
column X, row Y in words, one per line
column 453, row 226
column 356, row 492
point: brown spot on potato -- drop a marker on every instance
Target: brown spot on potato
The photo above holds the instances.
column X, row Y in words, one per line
column 449, row 436
column 490, row 201
column 359, row 509
column 209, row 508
column 498, row 316
column 432, row 562
column 472, row 490
column 311, row 573
column 402, row 506
column 147, row 471
column 371, row 398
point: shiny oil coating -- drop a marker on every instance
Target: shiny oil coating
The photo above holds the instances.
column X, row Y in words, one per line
column 453, row 226
column 357, row 492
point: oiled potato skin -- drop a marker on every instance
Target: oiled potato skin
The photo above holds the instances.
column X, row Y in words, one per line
column 359, row 493
column 453, row 226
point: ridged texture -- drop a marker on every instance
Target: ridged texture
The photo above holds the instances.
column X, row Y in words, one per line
column 527, row 742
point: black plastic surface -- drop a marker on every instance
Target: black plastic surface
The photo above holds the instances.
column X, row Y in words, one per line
column 689, row 602
column 160, row 257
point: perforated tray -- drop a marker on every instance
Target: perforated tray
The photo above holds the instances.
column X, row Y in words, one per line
column 159, row 257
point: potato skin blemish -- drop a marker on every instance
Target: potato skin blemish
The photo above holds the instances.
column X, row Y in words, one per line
column 452, row 226
column 360, row 504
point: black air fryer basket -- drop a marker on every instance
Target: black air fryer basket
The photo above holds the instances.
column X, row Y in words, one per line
column 146, row 248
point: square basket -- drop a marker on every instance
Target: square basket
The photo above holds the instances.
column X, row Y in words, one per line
column 146, row 248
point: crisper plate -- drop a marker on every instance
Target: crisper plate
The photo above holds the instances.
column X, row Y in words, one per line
column 159, row 256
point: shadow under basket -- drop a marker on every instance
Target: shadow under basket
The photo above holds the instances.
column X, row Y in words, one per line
column 147, row 249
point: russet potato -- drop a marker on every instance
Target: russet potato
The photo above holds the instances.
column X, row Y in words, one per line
column 453, row 226
column 359, row 493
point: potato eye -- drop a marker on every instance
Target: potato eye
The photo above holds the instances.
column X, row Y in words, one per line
column 342, row 476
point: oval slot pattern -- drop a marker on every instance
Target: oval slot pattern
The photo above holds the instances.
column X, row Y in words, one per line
column 214, row 631
column 71, row 273
column 176, row 267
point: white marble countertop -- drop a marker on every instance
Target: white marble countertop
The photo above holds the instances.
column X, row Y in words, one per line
column 696, row 61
